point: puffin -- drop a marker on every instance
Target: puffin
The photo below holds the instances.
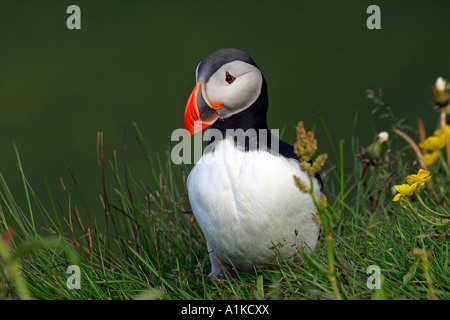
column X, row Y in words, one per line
column 242, row 190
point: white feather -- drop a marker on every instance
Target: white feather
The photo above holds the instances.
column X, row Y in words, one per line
column 238, row 95
column 247, row 203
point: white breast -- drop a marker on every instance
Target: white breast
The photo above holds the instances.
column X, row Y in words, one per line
column 248, row 205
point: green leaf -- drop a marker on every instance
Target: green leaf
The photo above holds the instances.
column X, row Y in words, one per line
column 259, row 291
column 380, row 294
column 150, row 294
column 411, row 272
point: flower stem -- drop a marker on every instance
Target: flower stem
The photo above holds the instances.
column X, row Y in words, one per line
column 417, row 214
column 430, row 210
column 426, row 269
column 329, row 240
column 447, row 138
column 413, row 145
column 444, row 164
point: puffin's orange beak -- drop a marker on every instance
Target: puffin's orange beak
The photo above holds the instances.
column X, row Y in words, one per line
column 200, row 112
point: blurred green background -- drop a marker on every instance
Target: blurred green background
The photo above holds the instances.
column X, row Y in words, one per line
column 134, row 61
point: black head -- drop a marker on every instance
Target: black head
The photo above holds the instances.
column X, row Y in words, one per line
column 231, row 93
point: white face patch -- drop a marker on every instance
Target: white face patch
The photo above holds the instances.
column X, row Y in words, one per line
column 239, row 94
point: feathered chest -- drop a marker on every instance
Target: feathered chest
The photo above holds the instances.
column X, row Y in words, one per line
column 245, row 202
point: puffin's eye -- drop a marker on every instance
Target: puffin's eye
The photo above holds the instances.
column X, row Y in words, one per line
column 229, row 77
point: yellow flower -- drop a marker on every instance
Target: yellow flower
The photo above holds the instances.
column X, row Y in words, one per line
column 420, row 178
column 430, row 158
column 404, row 190
column 433, row 143
column 439, row 132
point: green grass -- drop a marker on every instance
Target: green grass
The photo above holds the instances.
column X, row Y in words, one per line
column 148, row 245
